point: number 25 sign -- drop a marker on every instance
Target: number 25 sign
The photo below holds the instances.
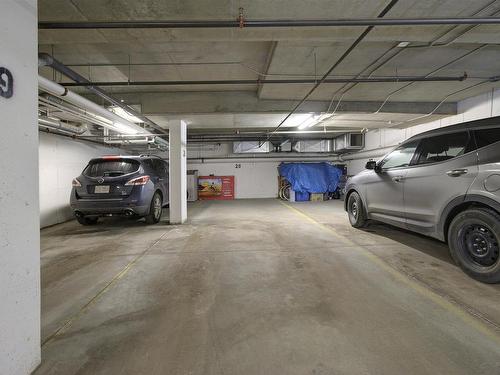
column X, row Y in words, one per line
column 6, row 83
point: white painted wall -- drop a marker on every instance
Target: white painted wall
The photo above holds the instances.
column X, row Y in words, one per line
column 252, row 180
column 61, row 160
column 19, row 230
column 380, row 141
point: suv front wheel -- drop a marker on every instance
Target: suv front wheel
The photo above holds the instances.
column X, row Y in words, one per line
column 356, row 211
column 473, row 238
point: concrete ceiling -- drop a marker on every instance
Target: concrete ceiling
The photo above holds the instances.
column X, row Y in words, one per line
column 224, row 54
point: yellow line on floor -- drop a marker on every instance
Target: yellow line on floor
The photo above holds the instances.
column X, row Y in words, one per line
column 476, row 322
column 113, row 281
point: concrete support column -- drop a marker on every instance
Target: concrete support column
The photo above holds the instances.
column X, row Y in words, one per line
column 19, row 211
column 178, row 172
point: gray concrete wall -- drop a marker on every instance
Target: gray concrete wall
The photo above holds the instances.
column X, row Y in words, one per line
column 19, row 231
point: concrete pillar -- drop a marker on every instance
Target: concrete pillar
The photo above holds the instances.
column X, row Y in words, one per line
column 178, row 172
column 19, row 212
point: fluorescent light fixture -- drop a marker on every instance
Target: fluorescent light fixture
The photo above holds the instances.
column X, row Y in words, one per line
column 311, row 121
column 125, row 115
column 122, row 128
column 297, row 119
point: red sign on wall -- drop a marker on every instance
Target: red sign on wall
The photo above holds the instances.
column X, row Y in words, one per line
column 216, row 187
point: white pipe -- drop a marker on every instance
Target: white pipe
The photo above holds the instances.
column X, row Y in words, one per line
column 118, row 124
column 129, row 141
column 58, row 125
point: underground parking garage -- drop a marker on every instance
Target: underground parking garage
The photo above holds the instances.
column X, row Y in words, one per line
column 249, row 187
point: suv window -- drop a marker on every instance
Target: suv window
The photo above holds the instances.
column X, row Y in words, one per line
column 443, row 147
column 159, row 166
column 148, row 163
column 485, row 137
column 400, row 157
column 110, row 168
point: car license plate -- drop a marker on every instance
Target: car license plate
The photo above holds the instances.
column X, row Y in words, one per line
column 102, row 189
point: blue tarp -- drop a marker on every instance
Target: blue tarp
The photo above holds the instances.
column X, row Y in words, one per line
column 311, row 177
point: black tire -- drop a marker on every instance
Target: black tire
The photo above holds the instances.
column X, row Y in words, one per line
column 87, row 220
column 473, row 238
column 155, row 209
column 356, row 210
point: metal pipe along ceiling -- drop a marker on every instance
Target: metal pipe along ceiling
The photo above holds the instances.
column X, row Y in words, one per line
column 268, row 81
column 269, row 23
column 353, row 46
column 60, row 126
column 75, row 99
column 45, row 59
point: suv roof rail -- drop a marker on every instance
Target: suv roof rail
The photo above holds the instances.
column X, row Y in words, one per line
column 149, row 156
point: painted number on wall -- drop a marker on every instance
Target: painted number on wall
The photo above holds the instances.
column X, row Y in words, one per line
column 6, row 83
column 237, row 165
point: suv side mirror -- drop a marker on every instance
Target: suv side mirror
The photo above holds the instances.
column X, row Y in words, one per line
column 372, row 164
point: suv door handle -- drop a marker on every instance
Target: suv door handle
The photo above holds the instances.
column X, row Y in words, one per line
column 398, row 178
column 456, row 172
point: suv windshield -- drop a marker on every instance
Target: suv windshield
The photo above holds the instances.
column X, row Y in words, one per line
column 111, row 168
column 400, row 157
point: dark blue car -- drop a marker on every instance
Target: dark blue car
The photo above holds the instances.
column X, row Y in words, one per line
column 121, row 185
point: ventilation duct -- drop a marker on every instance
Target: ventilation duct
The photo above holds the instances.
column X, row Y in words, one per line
column 349, row 142
column 252, row 147
column 323, row 145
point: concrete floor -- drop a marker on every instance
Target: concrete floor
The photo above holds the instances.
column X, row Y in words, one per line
column 259, row 287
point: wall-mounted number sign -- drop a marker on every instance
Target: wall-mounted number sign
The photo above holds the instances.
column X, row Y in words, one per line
column 6, row 83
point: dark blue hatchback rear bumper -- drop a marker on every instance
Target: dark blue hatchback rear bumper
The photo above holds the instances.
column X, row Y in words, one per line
column 137, row 203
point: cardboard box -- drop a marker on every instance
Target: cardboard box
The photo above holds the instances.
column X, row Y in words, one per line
column 316, row 197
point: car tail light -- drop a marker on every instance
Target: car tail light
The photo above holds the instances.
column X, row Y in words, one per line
column 76, row 183
column 143, row 180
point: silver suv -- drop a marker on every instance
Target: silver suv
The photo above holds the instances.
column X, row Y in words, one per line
column 444, row 183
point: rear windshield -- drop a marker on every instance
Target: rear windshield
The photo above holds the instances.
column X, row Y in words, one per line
column 110, row 168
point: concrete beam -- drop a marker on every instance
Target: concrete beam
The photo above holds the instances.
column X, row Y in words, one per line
column 247, row 102
column 269, row 60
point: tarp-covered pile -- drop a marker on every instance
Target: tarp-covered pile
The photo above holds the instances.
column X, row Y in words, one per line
column 311, row 177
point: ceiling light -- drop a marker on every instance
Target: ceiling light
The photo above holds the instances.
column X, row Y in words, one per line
column 125, row 115
column 297, row 119
column 403, row 44
column 122, row 128
column 313, row 120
